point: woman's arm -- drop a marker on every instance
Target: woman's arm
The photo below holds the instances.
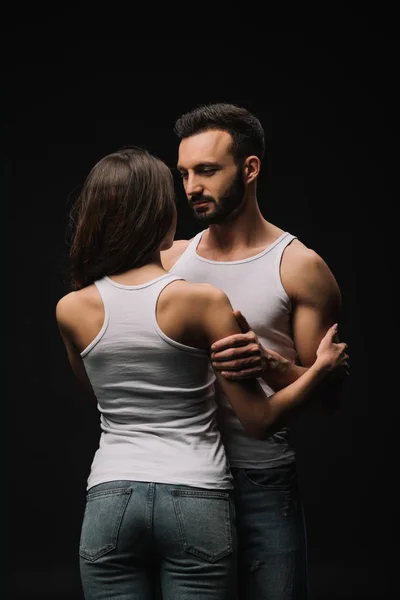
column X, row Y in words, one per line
column 66, row 307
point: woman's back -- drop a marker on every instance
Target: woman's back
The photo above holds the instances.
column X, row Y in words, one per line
column 155, row 396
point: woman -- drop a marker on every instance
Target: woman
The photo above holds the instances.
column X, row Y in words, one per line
column 138, row 339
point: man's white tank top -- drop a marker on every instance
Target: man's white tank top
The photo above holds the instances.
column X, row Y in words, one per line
column 253, row 286
column 158, row 415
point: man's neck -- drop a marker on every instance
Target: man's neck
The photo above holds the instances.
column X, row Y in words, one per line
column 249, row 230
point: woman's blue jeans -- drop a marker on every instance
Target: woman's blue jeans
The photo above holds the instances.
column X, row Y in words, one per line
column 137, row 535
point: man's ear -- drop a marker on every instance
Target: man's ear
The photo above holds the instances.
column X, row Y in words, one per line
column 251, row 168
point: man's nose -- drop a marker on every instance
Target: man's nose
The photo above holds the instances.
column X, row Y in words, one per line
column 193, row 187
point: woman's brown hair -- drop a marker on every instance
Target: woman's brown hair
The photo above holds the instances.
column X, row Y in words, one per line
column 124, row 211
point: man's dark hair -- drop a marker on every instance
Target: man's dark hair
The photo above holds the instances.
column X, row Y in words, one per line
column 246, row 130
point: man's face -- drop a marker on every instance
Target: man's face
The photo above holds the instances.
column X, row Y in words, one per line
column 213, row 182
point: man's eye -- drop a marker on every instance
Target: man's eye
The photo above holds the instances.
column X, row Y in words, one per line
column 183, row 175
column 209, row 171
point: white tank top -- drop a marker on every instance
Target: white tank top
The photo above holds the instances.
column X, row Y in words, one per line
column 155, row 396
column 253, row 286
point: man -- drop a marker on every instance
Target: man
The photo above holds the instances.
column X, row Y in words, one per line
column 287, row 297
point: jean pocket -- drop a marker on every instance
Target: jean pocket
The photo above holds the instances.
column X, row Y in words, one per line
column 205, row 521
column 277, row 478
column 102, row 519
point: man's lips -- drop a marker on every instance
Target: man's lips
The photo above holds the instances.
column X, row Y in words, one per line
column 200, row 203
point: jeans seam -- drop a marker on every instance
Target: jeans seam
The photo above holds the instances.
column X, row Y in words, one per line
column 150, row 506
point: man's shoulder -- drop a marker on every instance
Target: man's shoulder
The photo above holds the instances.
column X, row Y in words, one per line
column 298, row 255
column 303, row 268
column 169, row 257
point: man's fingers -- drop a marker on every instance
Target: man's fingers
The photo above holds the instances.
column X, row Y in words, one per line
column 239, row 364
column 246, row 374
column 241, row 352
column 242, row 322
column 239, row 339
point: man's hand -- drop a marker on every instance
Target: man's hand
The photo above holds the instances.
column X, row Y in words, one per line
column 241, row 356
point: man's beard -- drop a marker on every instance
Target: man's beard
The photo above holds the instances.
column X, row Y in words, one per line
column 227, row 204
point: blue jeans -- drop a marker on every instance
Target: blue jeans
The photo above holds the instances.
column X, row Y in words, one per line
column 135, row 534
column 271, row 534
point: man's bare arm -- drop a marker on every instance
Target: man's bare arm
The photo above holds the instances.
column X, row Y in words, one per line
column 316, row 300
column 315, row 297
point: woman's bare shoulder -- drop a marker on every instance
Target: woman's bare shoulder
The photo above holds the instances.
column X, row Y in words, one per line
column 70, row 306
column 195, row 292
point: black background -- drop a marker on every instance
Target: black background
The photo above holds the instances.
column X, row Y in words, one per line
column 329, row 105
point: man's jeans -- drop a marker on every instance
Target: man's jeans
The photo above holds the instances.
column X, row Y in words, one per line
column 129, row 527
column 271, row 534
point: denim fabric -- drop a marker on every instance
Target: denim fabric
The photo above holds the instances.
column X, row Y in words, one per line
column 272, row 559
column 135, row 534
